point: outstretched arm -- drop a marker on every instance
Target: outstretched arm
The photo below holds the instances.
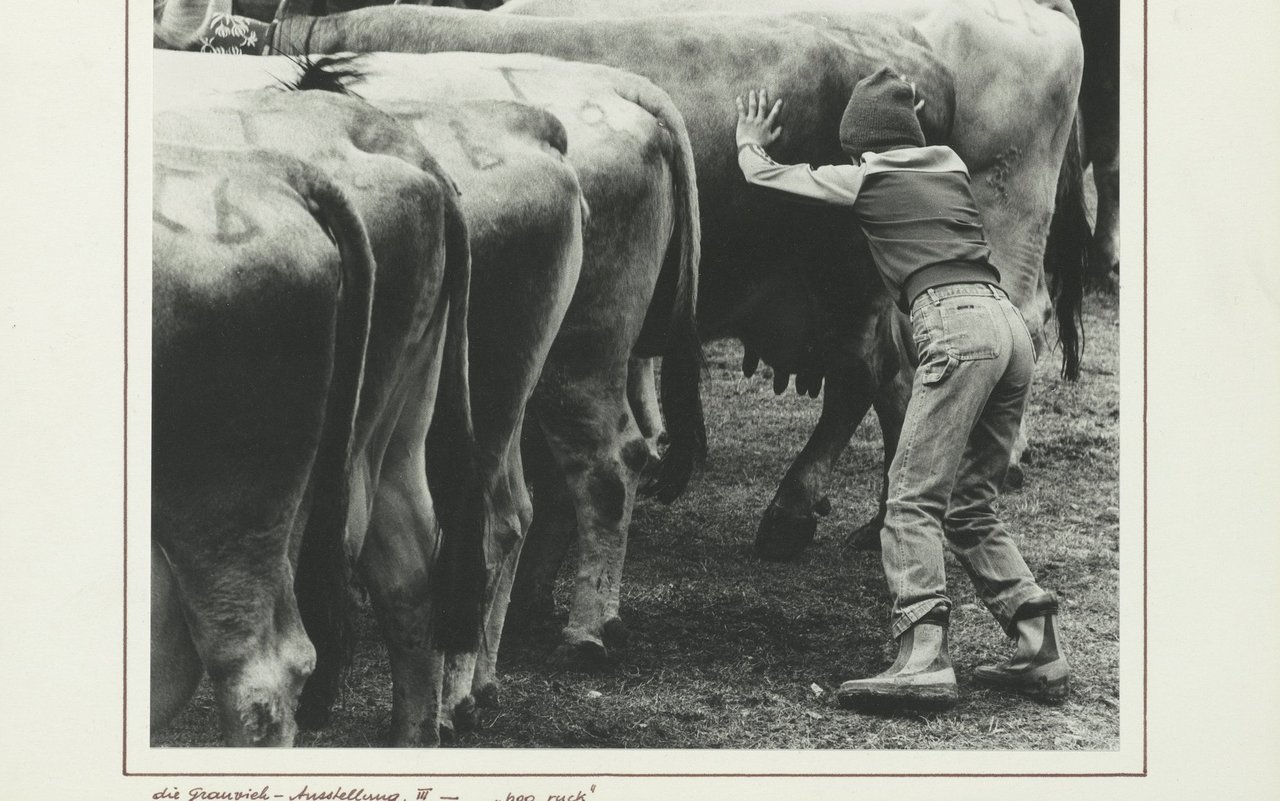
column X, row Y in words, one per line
column 757, row 129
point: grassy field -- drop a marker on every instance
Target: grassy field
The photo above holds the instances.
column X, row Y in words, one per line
column 731, row 652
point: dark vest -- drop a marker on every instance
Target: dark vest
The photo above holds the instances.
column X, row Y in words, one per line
column 924, row 230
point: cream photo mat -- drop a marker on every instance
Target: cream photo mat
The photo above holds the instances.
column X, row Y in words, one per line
column 1193, row 715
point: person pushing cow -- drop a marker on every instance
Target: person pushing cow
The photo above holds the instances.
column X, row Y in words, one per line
column 922, row 225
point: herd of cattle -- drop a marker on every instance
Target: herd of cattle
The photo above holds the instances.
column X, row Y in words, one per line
column 407, row 306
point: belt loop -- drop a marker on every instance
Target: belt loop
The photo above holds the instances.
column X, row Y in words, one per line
column 933, row 296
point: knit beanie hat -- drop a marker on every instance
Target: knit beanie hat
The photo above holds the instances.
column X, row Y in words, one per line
column 880, row 116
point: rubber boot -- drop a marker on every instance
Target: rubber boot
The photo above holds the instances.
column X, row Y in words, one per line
column 1038, row 667
column 920, row 679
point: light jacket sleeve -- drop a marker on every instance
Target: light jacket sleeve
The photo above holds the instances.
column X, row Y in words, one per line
column 837, row 184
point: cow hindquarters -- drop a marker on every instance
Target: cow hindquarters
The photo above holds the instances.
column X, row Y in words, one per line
column 240, row 371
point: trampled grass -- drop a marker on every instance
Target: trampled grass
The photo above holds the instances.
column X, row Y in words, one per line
column 728, row 651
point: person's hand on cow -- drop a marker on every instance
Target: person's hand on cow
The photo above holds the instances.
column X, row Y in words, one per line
column 757, row 121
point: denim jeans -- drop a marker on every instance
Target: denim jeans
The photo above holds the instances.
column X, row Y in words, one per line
column 967, row 399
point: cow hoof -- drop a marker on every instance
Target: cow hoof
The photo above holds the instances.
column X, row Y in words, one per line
column 421, row 737
column 447, row 736
column 615, row 633
column 782, row 537
column 1014, row 478
column 585, row 655
column 466, row 717
column 867, row 536
column 489, row 696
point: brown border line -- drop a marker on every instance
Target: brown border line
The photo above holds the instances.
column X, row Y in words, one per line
column 667, row 775
column 1146, row 53
column 1143, row 773
column 124, row 718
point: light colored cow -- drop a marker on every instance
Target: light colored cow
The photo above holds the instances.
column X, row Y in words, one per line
column 262, row 286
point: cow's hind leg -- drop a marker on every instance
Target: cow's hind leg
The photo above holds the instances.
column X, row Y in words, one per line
column 598, row 447
column 395, row 564
column 398, row 557
column 175, row 665
column 554, row 528
column 791, row 520
column 891, row 407
column 642, row 393
column 1105, row 259
column 471, row 678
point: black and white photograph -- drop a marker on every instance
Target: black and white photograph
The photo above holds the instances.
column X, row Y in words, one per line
column 607, row 399
column 474, row 340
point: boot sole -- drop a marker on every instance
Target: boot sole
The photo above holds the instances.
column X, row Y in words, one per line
column 1041, row 688
column 888, row 699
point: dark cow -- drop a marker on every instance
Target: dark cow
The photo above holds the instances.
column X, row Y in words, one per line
column 262, row 285
column 426, row 587
column 794, row 282
column 1016, row 66
column 1100, row 111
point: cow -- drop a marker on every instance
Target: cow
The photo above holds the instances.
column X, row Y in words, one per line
column 795, row 283
column 408, row 470
column 262, row 291
column 1015, row 65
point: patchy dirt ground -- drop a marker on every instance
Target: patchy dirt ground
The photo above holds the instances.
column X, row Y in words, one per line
column 726, row 651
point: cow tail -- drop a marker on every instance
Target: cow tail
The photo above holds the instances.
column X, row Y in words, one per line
column 1067, row 254
column 321, row 582
column 458, row 585
column 682, row 360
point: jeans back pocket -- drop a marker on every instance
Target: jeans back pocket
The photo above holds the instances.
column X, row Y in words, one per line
column 968, row 329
